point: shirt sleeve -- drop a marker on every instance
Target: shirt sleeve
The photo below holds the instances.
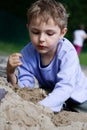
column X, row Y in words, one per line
column 65, row 83
column 25, row 75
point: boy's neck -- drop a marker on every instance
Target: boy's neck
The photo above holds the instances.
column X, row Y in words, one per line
column 46, row 59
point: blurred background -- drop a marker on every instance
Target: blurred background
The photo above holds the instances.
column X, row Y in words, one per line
column 13, row 32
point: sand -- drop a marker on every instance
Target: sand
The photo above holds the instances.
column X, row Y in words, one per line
column 19, row 110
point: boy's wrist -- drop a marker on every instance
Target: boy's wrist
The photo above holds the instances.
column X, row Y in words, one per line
column 12, row 78
column 10, row 71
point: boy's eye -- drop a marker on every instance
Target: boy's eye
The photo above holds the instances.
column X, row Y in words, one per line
column 50, row 34
column 34, row 32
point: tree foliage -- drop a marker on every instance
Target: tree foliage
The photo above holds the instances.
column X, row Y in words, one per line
column 76, row 8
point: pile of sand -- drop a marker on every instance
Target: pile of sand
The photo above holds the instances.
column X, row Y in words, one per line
column 19, row 110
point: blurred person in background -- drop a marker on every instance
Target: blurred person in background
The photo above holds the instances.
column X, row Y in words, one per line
column 79, row 36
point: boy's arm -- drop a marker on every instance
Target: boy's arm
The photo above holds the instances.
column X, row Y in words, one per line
column 12, row 78
column 65, row 84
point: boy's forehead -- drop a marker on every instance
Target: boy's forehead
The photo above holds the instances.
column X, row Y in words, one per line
column 40, row 20
column 36, row 20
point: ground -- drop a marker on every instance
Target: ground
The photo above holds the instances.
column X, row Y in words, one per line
column 19, row 109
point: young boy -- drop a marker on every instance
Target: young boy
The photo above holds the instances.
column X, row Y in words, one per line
column 49, row 57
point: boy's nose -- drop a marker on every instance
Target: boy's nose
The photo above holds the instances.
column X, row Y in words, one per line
column 42, row 37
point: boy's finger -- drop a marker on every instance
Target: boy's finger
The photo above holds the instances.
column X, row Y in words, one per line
column 16, row 55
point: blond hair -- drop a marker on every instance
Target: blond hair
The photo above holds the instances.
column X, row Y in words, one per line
column 44, row 9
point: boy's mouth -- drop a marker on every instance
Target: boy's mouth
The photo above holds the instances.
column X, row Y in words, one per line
column 41, row 47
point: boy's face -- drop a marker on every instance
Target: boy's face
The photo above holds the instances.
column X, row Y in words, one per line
column 45, row 36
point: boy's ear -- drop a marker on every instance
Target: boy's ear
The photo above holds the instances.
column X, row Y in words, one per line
column 64, row 31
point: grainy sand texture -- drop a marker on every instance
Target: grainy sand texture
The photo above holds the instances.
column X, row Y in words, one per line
column 19, row 110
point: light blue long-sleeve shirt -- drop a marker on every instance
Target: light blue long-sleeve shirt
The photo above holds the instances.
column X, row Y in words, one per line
column 63, row 75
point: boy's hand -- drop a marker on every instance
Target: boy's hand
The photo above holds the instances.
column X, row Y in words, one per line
column 13, row 62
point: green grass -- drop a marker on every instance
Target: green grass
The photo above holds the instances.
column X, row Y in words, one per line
column 83, row 55
column 83, row 58
column 9, row 48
